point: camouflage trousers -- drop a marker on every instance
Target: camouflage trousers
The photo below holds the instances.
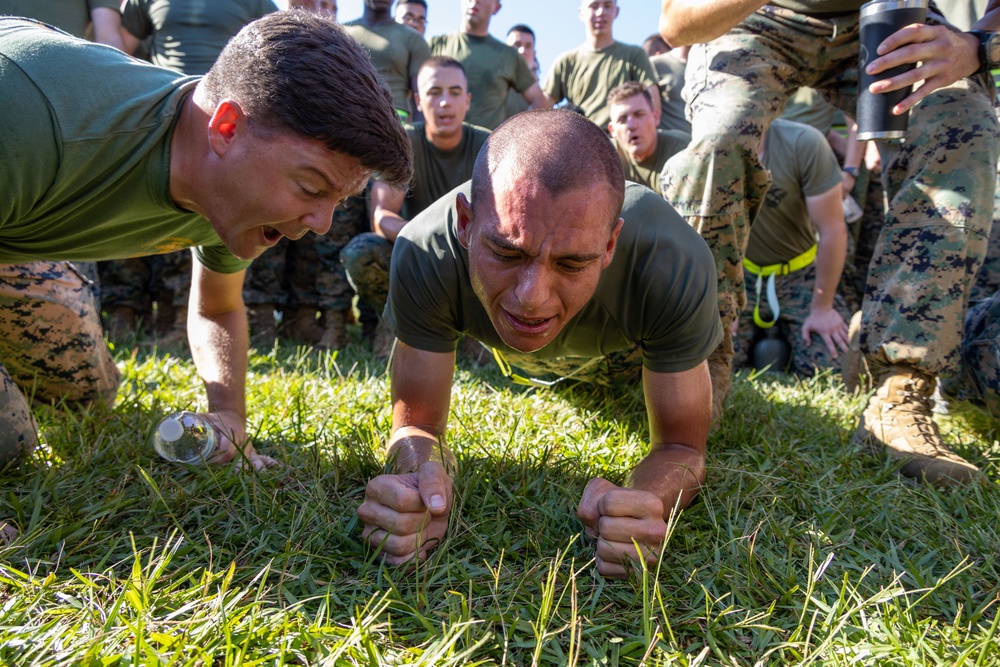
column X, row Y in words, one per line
column 795, row 292
column 138, row 281
column 978, row 378
column 52, row 347
column 939, row 185
column 366, row 260
column 307, row 272
column 862, row 236
column 988, row 280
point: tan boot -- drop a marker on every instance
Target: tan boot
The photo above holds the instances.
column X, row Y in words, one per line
column 854, row 367
column 263, row 328
column 898, row 419
column 121, row 322
column 303, row 326
column 175, row 333
column 384, row 339
column 334, row 334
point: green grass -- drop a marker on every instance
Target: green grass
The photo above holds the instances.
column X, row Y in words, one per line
column 801, row 550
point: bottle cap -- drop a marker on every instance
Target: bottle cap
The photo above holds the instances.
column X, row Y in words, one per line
column 170, row 429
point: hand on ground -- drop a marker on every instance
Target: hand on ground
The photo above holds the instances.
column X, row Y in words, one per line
column 405, row 516
column 232, row 431
column 621, row 518
column 828, row 325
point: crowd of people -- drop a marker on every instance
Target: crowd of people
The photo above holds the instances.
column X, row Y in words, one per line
column 607, row 240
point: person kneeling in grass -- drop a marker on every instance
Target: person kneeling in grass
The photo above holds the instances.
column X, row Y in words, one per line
column 551, row 260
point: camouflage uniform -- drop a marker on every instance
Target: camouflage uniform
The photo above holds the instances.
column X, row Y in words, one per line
column 307, row 272
column 51, row 346
column 366, row 261
column 978, row 379
column 939, row 184
column 128, row 283
column 615, row 370
column 988, row 280
column 795, row 293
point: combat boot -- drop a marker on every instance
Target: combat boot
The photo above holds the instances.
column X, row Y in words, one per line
column 898, row 420
column 121, row 322
column 854, row 367
column 263, row 329
column 334, row 334
column 175, row 331
column 303, row 326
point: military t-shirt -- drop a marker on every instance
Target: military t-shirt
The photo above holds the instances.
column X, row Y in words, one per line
column 585, row 76
column 808, row 106
column 188, row 35
column 437, row 172
column 515, row 103
column 647, row 172
column 670, row 77
column 801, row 164
column 492, row 69
column 658, row 292
column 85, row 137
column 820, row 7
column 397, row 52
column 71, row 16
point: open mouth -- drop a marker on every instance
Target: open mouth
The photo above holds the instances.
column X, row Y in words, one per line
column 271, row 235
column 528, row 325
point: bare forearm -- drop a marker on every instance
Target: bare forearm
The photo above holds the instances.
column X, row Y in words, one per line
column 388, row 224
column 991, row 17
column 670, row 472
column 685, row 22
column 411, row 446
column 829, row 267
column 219, row 350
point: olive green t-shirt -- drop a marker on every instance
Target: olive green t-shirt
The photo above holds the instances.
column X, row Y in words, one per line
column 670, row 77
column 585, row 76
column 659, row 290
column 71, row 16
column 396, row 50
column 819, row 7
column 808, row 106
column 437, row 172
column 515, row 103
column 801, row 164
column 188, row 35
column 85, row 138
column 492, row 69
column 647, row 172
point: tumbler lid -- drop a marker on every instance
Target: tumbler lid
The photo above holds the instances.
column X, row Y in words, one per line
column 878, row 6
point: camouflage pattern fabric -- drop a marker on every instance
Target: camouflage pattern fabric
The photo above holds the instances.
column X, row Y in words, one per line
column 613, row 370
column 937, row 185
column 795, row 292
column 307, row 271
column 978, row 379
column 366, row 260
column 988, row 280
column 128, row 283
column 52, row 345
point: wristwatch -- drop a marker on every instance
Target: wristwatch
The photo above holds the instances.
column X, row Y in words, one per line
column 853, row 171
column 989, row 49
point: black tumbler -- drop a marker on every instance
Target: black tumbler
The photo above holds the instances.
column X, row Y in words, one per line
column 879, row 19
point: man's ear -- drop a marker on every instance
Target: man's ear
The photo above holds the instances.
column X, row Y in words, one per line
column 226, row 123
column 464, row 211
column 609, row 253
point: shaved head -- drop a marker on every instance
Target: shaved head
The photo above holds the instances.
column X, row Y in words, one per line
column 557, row 150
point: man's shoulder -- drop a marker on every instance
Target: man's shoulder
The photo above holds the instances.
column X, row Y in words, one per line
column 474, row 133
column 793, row 133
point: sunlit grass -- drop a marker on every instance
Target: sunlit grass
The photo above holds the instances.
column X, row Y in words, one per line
column 801, row 550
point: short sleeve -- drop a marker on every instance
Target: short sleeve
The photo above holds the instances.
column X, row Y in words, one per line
column 218, row 258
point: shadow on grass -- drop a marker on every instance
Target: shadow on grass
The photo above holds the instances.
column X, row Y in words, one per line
column 799, row 544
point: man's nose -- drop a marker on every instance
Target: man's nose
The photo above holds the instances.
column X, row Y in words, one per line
column 533, row 287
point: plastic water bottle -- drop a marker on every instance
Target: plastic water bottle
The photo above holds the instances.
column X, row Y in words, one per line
column 185, row 437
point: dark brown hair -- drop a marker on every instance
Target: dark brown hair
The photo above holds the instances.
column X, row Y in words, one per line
column 300, row 72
